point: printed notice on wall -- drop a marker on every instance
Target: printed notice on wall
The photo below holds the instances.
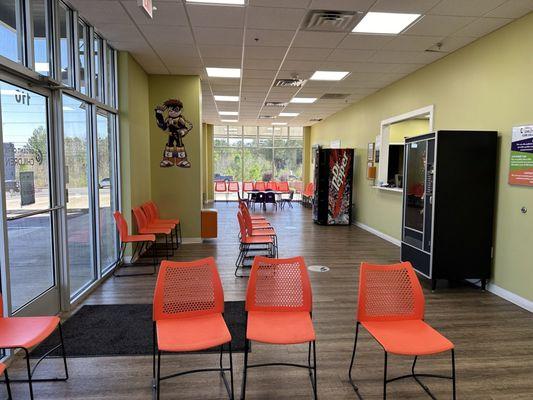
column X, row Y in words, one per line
column 521, row 167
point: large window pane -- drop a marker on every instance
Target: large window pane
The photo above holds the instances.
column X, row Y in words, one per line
column 65, row 41
column 106, row 188
column 257, row 164
column 227, row 164
column 82, row 57
column 110, row 77
column 41, row 40
column 97, row 48
column 10, row 30
column 25, row 136
column 77, row 177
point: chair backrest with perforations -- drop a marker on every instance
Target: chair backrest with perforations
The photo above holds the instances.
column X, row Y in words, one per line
column 233, row 186
column 279, row 284
column 247, row 186
column 389, row 293
column 140, row 218
column 122, row 225
column 187, row 289
column 220, row 186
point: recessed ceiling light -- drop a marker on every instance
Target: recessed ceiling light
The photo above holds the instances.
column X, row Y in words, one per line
column 288, row 114
column 222, row 2
column 228, row 112
column 223, row 72
column 226, row 98
column 387, row 23
column 229, row 120
column 279, row 123
column 329, row 75
column 306, row 100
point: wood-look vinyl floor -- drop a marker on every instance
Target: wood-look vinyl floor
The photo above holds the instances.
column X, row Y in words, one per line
column 493, row 338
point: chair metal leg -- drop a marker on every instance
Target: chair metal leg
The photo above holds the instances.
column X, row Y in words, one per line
column 29, row 372
column 385, row 378
column 158, row 383
column 243, row 388
column 8, row 385
column 353, row 360
column 314, row 372
column 154, row 350
column 63, row 352
column 453, row 375
column 231, row 371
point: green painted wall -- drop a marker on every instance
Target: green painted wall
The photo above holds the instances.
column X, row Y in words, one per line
column 208, row 181
column 412, row 127
column 486, row 85
column 178, row 191
column 134, row 138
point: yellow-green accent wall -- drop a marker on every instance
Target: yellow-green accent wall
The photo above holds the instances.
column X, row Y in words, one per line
column 178, row 191
column 134, row 135
column 209, row 190
column 486, row 85
column 411, row 127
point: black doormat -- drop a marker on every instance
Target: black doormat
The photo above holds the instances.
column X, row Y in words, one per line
column 126, row 330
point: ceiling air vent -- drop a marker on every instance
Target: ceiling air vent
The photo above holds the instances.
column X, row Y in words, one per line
column 266, row 117
column 290, row 82
column 275, row 104
column 331, row 21
column 334, row 96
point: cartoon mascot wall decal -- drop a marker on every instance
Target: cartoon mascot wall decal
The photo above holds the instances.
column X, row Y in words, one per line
column 177, row 128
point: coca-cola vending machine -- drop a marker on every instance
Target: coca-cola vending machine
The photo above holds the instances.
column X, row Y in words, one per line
column 332, row 203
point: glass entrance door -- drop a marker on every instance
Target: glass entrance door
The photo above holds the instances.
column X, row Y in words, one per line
column 30, row 273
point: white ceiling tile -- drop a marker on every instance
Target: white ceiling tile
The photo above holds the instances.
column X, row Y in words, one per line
column 223, row 36
column 266, row 37
column 234, row 52
column 412, row 43
column 280, row 3
column 165, row 34
column 261, row 64
column 256, row 82
column 182, row 70
column 436, row 25
column 365, row 42
column 308, row 53
column 453, row 43
column 405, row 57
column 512, row 9
column 482, row 27
column 257, row 52
column 102, row 11
column 328, row 40
column 343, row 5
column 350, row 55
column 256, row 73
column 120, row 32
column 405, row 68
column 299, row 66
column 274, row 18
column 404, row 6
column 167, row 13
column 177, row 53
column 216, row 16
column 473, row 8
column 222, row 62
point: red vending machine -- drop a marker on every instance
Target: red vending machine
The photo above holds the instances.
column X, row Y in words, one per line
column 332, row 203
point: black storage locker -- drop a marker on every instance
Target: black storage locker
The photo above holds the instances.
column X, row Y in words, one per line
column 448, row 204
column 332, row 203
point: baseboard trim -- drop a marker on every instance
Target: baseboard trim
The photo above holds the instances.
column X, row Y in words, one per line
column 506, row 295
column 382, row 235
column 191, row 240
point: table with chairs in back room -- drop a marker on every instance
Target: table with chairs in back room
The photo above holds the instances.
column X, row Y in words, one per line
column 278, row 194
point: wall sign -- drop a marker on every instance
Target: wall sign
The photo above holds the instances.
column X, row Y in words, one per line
column 176, row 127
column 521, row 164
column 147, row 7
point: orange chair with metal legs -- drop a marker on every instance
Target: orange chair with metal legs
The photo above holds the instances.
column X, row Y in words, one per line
column 144, row 229
column 279, row 306
column 257, row 218
column 25, row 333
column 254, row 230
column 188, row 316
column 250, row 245
column 152, row 220
column 260, row 186
column 221, row 187
column 157, row 219
column 139, row 243
column 391, row 309
column 3, row 369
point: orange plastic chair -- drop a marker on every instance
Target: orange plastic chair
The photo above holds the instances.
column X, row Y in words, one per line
column 188, row 315
column 3, row 369
column 221, row 187
column 263, row 230
column 391, row 308
column 283, row 187
column 279, row 305
column 148, row 210
column 271, row 185
column 251, row 243
column 243, row 204
column 25, row 333
column 260, row 186
column 256, row 223
column 145, row 229
column 233, row 187
column 157, row 219
column 138, row 242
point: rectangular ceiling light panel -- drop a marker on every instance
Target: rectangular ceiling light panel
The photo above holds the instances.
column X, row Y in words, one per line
column 228, row 112
column 289, row 114
column 385, row 23
column 229, row 120
column 226, row 98
column 329, row 75
column 223, row 72
column 220, row 2
column 303, row 100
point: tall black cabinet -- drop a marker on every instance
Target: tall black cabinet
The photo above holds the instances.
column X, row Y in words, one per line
column 448, row 204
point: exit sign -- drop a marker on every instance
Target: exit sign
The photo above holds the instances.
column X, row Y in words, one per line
column 146, row 6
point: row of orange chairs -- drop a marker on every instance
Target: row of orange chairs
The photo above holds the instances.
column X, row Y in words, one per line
column 150, row 226
column 256, row 235
column 248, row 186
column 189, row 307
column 308, row 194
